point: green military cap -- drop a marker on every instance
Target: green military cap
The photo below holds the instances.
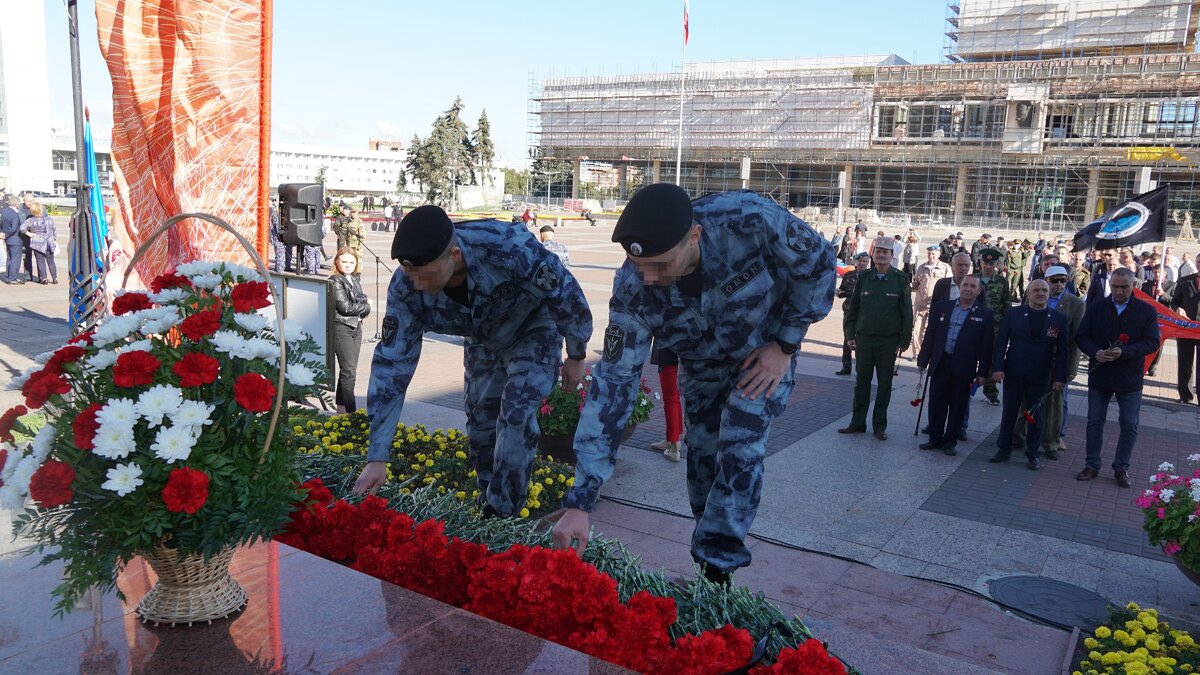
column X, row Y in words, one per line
column 990, row 254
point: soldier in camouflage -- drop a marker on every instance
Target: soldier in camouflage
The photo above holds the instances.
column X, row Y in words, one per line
column 514, row 303
column 730, row 283
column 996, row 297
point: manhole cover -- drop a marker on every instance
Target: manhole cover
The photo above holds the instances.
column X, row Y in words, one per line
column 1052, row 600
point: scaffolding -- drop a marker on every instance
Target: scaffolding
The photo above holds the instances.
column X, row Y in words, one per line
column 1027, row 144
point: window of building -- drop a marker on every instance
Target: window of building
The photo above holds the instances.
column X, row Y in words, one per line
column 62, row 160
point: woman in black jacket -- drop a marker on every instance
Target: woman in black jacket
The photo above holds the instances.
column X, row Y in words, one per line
column 351, row 308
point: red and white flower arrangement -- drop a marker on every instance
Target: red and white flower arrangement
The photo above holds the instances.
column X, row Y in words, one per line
column 1171, row 506
column 155, row 427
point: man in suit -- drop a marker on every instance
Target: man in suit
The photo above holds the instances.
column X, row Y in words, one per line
column 10, row 229
column 957, row 349
column 1068, row 304
column 846, row 289
column 1098, row 285
column 1032, row 346
column 1186, row 300
column 1117, row 334
column 947, row 288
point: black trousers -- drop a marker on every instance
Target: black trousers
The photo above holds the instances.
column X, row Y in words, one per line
column 845, row 348
column 347, row 342
column 1187, row 363
column 948, row 396
column 44, row 260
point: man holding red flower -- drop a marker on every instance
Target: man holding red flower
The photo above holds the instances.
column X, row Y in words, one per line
column 1117, row 333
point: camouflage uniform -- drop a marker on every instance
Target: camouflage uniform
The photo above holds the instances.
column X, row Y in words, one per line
column 522, row 304
column 1014, row 264
column 995, row 297
column 766, row 275
column 278, row 248
column 559, row 250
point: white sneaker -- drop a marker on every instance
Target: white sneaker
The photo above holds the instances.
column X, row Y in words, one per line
column 672, row 453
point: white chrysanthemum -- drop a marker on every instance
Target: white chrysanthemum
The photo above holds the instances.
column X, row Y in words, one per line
column 123, row 479
column 43, row 443
column 116, row 328
column 113, row 442
column 10, row 465
column 153, row 313
column 193, row 268
column 137, row 346
column 102, row 359
column 161, row 326
column 291, row 330
column 252, row 322
column 206, row 281
column 42, row 358
column 1153, row 478
column 242, row 272
column 119, row 413
column 173, row 444
column 11, row 499
column 301, row 376
column 260, row 348
column 228, row 342
column 1167, row 495
column 1166, row 466
column 24, row 472
column 19, row 381
column 168, row 295
column 192, row 414
column 1194, row 458
column 159, row 401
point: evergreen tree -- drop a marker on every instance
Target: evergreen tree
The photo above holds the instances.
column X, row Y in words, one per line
column 551, row 178
column 485, row 150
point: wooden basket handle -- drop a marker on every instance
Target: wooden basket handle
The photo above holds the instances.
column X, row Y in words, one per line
column 262, row 270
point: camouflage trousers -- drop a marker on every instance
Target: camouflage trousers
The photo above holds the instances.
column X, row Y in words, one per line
column 727, row 442
column 504, row 391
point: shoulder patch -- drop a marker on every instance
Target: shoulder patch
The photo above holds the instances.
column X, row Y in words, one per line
column 614, row 342
column 545, row 278
column 733, row 285
column 391, row 325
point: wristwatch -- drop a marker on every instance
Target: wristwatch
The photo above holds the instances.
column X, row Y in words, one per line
column 786, row 347
column 576, row 357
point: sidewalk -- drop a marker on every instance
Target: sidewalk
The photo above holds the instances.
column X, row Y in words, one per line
column 902, row 511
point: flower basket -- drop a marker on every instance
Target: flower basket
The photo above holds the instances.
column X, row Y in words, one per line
column 190, row 589
column 159, row 436
column 1171, row 508
column 561, row 447
column 559, row 416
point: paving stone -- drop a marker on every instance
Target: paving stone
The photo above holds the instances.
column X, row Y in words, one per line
column 1072, row 572
column 987, row 635
column 898, row 564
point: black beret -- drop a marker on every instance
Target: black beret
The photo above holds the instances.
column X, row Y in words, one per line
column 654, row 221
column 422, row 236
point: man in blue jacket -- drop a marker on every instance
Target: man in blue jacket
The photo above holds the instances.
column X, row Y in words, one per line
column 10, row 228
column 1117, row 333
column 957, row 348
column 1033, row 344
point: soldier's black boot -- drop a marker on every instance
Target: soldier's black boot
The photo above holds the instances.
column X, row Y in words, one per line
column 715, row 575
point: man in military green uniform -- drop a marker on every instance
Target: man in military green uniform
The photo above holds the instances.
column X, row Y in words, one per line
column 1018, row 255
column 995, row 296
column 878, row 322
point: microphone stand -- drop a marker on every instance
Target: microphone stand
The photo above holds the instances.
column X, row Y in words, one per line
column 378, row 263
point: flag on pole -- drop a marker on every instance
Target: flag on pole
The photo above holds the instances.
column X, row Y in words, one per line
column 685, row 22
column 1141, row 219
column 88, row 259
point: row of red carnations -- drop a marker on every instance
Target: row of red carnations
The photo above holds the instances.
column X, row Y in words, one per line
column 549, row 593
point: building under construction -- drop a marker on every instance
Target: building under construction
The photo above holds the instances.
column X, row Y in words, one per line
column 1043, row 114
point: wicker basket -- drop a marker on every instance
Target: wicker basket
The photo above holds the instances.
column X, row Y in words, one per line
column 190, row 589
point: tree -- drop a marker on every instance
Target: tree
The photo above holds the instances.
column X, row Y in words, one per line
column 321, row 175
column 516, row 182
column 551, row 178
column 485, row 150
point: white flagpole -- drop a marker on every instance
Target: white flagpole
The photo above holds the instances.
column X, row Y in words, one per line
column 682, row 79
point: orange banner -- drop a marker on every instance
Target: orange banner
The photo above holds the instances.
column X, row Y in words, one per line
column 191, row 127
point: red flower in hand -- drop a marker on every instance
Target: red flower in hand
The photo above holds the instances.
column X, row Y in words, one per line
column 7, row 421
column 85, row 427
column 186, row 490
column 1123, row 338
column 254, row 392
column 51, row 484
column 249, row 296
column 130, row 302
column 1028, row 416
column 196, row 369
column 169, row 280
column 916, row 402
column 135, row 368
column 41, row 386
column 201, row 324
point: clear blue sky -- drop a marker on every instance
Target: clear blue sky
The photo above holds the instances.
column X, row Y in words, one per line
column 386, row 69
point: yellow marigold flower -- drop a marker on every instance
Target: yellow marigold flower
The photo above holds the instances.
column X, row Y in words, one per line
column 1094, row 655
column 1138, row 634
column 1103, row 632
column 328, row 425
column 460, row 495
column 437, row 453
column 1091, row 643
column 1150, row 622
column 1152, row 644
column 1111, row 658
column 1120, row 635
column 429, row 462
column 416, row 467
column 524, row 513
column 460, row 455
column 549, row 481
column 428, row 480
column 1133, row 606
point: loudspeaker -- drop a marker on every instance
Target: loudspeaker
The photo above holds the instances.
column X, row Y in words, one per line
column 301, row 214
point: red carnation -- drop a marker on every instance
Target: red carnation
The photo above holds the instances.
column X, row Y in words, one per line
column 85, row 427
column 249, row 296
column 41, row 386
column 135, row 368
column 1123, row 338
column 254, row 392
column 1028, row 416
column 201, row 324
column 3, row 461
column 169, row 280
column 85, row 338
column 130, row 302
column 51, row 484
column 916, row 402
column 196, row 369
column 7, row 421
column 67, row 354
column 186, row 490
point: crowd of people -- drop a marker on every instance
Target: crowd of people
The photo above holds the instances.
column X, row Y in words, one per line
column 1010, row 318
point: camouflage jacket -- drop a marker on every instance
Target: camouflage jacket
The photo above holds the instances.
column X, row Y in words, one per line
column 515, row 287
column 995, row 296
column 766, row 275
